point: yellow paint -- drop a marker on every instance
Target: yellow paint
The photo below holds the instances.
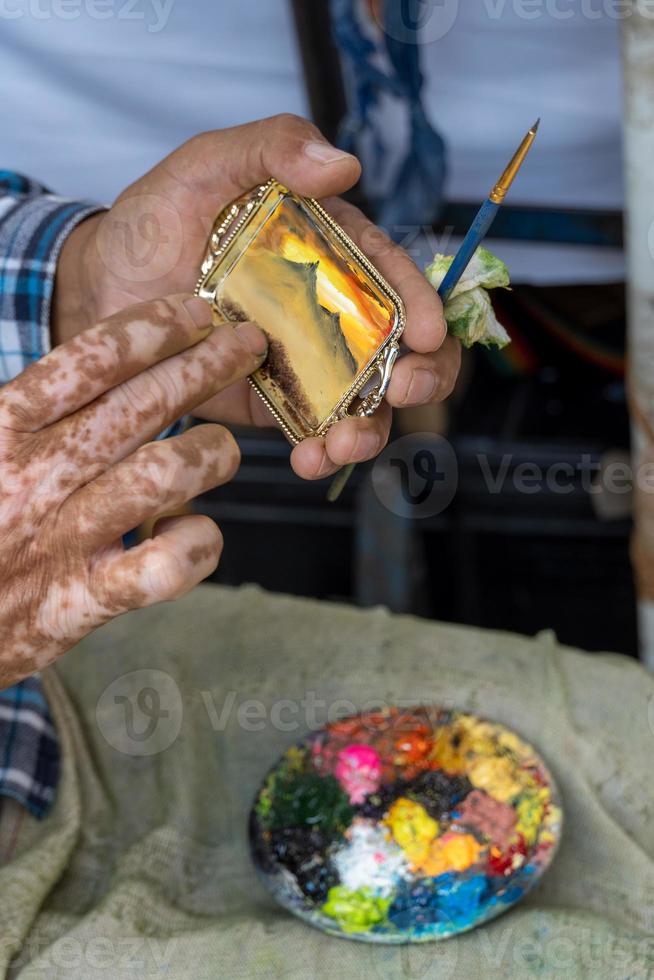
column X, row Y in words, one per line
column 551, row 823
column 449, row 758
column 497, row 776
column 296, row 758
column 530, row 811
column 509, row 741
column 482, row 736
column 417, row 834
column 412, row 827
column 456, row 744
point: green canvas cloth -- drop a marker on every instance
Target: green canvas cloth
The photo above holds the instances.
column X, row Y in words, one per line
column 142, row 868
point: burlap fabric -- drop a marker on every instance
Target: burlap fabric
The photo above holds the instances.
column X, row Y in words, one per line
column 170, row 717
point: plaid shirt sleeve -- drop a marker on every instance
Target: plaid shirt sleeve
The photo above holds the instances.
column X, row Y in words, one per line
column 34, row 225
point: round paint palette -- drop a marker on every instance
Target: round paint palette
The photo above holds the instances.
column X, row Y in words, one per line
column 405, row 825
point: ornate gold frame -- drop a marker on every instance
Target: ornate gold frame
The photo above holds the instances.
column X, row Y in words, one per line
column 225, row 233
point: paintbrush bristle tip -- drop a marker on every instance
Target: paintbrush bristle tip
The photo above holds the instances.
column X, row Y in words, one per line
column 534, row 128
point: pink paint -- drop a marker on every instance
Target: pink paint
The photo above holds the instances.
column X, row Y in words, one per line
column 358, row 770
column 484, row 813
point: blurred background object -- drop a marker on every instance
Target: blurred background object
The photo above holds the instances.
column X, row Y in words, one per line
column 639, row 144
column 427, row 93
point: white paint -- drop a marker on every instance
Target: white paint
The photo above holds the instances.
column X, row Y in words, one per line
column 371, row 858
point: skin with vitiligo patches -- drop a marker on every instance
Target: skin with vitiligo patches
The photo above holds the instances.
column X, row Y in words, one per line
column 78, row 469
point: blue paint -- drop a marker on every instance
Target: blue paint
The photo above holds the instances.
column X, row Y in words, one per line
column 462, row 898
column 447, row 900
column 521, row 882
column 511, row 895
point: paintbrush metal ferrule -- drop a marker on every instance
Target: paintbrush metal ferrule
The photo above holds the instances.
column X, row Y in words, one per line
column 501, row 188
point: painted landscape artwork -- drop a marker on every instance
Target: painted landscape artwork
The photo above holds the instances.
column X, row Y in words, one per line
column 323, row 314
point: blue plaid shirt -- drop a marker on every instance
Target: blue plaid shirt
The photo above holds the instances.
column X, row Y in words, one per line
column 34, row 225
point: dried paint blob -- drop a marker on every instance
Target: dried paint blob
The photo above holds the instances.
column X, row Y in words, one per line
column 369, row 858
column 358, row 770
column 405, row 826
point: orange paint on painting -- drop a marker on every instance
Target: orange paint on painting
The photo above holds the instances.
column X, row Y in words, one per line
column 365, row 316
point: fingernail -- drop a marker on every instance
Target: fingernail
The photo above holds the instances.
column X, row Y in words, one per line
column 325, row 152
column 252, row 337
column 421, row 387
column 367, row 445
column 327, row 467
column 199, row 311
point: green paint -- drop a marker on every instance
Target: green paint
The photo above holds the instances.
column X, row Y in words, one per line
column 296, row 798
column 356, row 911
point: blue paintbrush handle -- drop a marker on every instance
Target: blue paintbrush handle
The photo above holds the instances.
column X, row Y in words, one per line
column 461, row 261
column 478, row 231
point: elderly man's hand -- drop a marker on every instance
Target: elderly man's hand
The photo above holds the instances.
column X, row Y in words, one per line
column 153, row 240
column 75, row 474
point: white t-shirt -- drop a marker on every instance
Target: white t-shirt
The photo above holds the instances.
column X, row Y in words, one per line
column 491, row 68
column 89, row 105
column 95, row 92
column 491, row 76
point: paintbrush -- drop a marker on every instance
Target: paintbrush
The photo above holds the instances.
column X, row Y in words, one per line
column 475, row 236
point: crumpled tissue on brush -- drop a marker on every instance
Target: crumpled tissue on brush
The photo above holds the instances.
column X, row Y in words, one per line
column 468, row 311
